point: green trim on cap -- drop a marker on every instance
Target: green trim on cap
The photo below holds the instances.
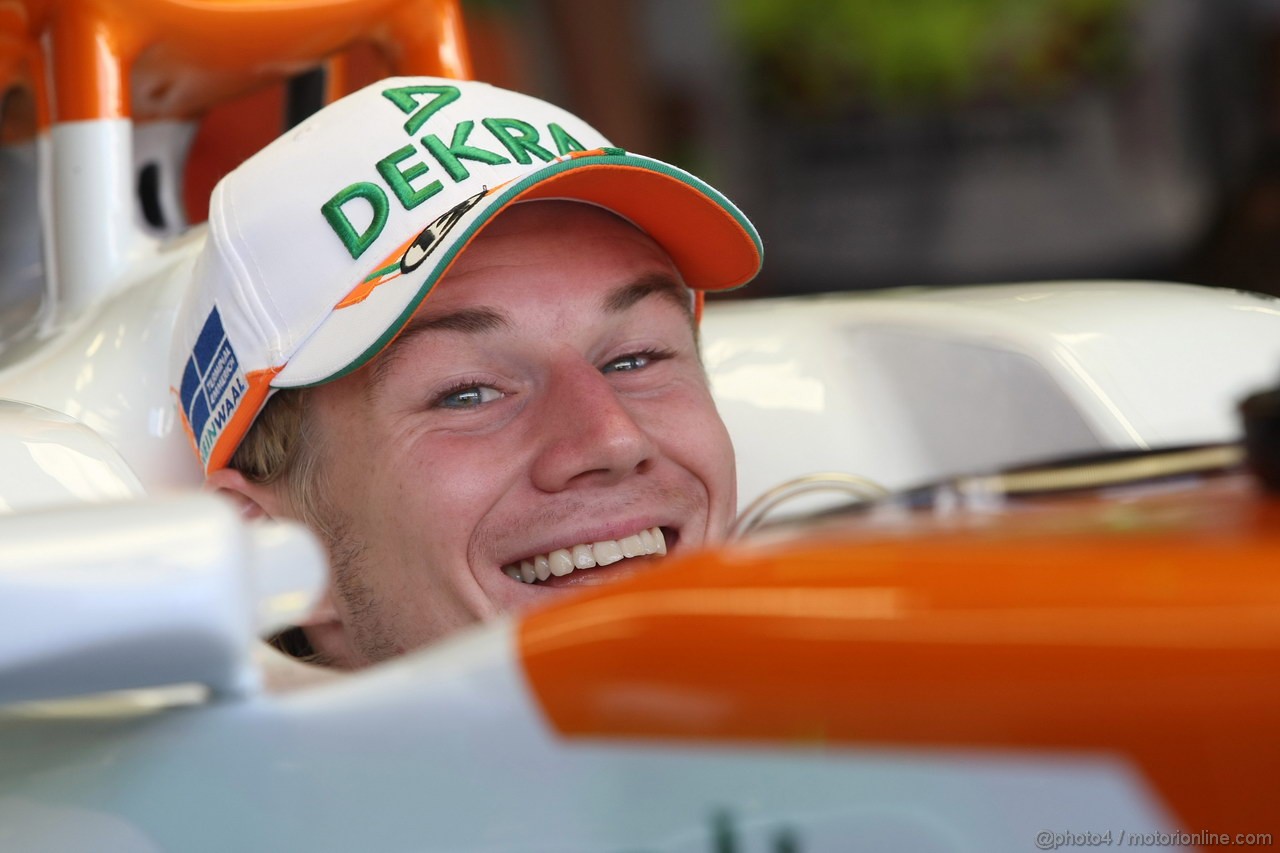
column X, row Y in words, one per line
column 380, row 273
column 610, row 157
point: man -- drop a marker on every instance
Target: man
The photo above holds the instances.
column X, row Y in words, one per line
column 476, row 320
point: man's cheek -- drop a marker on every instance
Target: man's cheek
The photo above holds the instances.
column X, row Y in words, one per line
column 718, row 471
column 449, row 492
column 694, row 422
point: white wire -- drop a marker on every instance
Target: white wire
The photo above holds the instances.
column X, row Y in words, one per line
column 862, row 488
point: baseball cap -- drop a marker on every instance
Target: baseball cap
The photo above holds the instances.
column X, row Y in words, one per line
column 322, row 245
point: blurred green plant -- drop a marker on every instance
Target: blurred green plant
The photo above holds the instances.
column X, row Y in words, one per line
column 832, row 54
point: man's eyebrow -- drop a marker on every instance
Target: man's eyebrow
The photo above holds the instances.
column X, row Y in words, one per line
column 468, row 321
column 653, row 284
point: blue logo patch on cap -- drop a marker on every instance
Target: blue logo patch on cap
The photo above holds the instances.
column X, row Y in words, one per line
column 212, row 385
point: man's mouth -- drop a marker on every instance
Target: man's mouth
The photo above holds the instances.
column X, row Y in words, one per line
column 546, row 568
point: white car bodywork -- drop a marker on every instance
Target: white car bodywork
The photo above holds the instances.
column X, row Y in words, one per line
column 447, row 750
column 912, row 386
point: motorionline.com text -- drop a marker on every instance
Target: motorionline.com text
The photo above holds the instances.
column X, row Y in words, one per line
column 1047, row 840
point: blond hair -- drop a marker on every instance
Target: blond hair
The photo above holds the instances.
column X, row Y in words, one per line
column 280, row 451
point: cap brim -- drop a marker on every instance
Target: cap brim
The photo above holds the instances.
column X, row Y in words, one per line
column 711, row 242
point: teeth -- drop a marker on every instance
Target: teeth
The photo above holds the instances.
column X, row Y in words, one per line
column 541, row 567
column 561, row 562
column 583, row 557
column 605, row 553
column 632, row 546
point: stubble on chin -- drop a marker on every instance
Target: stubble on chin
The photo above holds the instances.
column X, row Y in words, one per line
column 361, row 609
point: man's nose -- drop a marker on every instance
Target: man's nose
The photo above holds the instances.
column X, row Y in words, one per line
column 588, row 434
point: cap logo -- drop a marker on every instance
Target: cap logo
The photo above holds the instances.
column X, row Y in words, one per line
column 414, row 173
column 212, row 385
column 407, row 99
column 431, row 236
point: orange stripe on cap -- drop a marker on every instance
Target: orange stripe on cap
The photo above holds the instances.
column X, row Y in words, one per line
column 255, row 396
column 1162, row 646
column 361, row 291
column 364, row 289
column 709, row 246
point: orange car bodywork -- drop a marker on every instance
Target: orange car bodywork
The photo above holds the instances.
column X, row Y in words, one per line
column 1144, row 628
column 173, row 58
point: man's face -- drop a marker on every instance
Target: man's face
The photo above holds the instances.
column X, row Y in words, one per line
column 547, row 395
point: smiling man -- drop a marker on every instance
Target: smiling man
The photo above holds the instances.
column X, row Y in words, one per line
column 454, row 331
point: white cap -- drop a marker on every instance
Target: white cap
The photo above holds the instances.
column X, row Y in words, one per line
column 322, row 245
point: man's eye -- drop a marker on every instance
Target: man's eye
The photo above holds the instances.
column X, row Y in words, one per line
column 469, row 397
column 633, row 361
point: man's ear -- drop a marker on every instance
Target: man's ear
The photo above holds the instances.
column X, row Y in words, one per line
column 254, row 499
column 323, row 625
